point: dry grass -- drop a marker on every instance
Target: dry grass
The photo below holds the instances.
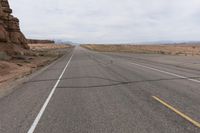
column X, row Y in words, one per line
column 147, row 49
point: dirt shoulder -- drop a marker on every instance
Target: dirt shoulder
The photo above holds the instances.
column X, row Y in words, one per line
column 19, row 66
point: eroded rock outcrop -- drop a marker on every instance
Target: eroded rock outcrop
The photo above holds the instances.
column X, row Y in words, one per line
column 9, row 27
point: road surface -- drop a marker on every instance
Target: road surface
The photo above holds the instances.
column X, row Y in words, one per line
column 90, row 92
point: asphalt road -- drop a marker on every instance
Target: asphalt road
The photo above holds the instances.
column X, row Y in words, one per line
column 90, row 92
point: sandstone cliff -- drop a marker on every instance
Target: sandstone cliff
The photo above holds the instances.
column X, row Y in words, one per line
column 10, row 34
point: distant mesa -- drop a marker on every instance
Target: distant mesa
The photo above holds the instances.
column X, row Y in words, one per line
column 10, row 34
column 37, row 41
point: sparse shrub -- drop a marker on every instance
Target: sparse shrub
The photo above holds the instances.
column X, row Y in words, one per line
column 162, row 52
column 178, row 53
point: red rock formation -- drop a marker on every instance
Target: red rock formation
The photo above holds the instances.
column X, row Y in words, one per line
column 9, row 27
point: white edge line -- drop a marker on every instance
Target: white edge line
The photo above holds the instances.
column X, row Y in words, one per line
column 37, row 119
column 169, row 73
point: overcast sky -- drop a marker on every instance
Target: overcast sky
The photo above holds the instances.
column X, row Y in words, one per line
column 109, row 21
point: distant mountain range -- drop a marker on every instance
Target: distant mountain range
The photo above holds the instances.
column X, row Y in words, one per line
column 153, row 42
column 170, row 42
column 64, row 42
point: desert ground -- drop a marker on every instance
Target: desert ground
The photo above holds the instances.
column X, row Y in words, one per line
column 179, row 49
column 18, row 66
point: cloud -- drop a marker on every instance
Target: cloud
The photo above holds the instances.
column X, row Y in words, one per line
column 109, row 21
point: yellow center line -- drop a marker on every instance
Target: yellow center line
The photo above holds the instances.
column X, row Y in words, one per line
column 178, row 112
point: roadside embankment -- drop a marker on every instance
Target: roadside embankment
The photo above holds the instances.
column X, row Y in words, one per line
column 18, row 66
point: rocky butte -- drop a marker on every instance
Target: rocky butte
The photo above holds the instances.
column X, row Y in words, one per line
column 11, row 38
